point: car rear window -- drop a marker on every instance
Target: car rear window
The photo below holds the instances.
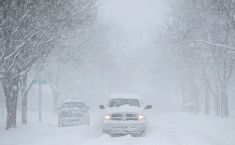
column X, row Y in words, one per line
column 73, row 105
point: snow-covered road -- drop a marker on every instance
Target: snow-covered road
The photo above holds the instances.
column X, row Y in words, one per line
column 164, row 129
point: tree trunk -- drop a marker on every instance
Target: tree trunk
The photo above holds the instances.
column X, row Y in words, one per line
column 217, row 97
column 217, row 105
column 224, row 100
column 183, row 97
column 24, row 109
column 207, row 95
column 54, row 89
column 53, row 79
column 196, row 100
column 194, row 96
column 55, row 102
column 207, row 102
column 24, row 96
column 11, row 90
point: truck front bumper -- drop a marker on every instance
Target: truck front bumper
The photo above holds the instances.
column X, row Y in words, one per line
column 124, row 127
column 73, row 121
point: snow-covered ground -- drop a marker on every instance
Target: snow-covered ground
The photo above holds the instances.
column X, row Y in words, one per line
column 163, row 129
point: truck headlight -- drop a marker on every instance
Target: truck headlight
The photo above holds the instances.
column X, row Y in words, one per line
column 107, row 117
column 141, row 117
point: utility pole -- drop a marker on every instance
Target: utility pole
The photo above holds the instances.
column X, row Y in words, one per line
column 40, row 82
column 40, row 101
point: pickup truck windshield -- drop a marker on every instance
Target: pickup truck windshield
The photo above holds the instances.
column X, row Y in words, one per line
column 121, row 102
column 73, row 105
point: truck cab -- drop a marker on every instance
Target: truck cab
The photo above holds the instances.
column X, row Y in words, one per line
column 124, row 114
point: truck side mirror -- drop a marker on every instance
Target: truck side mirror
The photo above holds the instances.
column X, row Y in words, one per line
column 148, row 107
column 101, row 107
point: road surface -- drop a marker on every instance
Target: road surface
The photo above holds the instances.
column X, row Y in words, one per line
column 163, row 129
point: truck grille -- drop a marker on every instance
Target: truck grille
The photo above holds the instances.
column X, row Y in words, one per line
column 124, row 116
column 71, row 114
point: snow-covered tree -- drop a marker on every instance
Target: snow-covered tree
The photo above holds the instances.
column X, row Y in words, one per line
column 90, row 45
column 205, row 29
column 29, row 30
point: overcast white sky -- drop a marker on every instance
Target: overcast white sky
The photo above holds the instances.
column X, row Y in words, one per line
column 135, row 14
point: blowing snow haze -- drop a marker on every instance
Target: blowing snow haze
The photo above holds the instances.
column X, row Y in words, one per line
column 139, row 64
column 135, row 14
column 120, row 72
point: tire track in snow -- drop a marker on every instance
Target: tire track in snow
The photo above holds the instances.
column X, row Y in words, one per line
column 212, row 139
column 192, row 137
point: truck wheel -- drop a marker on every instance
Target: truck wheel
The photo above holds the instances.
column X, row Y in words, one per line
column 144, row 134
column 104, row 132
column 117, row 134
column 114, row 135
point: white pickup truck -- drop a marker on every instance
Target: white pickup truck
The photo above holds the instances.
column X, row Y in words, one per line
column 125, row 114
